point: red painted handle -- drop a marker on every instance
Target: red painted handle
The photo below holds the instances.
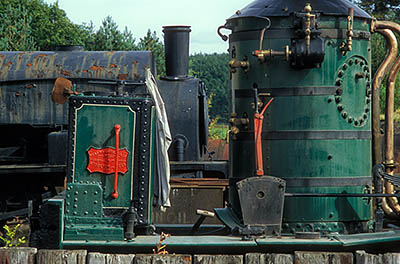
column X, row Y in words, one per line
column 258, row 119
column 117, row 128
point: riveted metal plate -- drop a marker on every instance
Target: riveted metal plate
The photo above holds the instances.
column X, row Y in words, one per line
column 261, row 200
column 84, row 200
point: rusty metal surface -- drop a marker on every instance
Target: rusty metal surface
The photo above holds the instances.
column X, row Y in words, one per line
column 27, row 79
column 108, row 65
column 219, row 148
column 188, row 195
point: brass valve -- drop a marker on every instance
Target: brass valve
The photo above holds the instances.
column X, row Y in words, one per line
column 307, row 30
column 262, row 55
column 234, row 64
column 235, row 122
column 347, row 46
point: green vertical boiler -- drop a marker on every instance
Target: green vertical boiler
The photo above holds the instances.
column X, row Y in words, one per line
column 314, row 59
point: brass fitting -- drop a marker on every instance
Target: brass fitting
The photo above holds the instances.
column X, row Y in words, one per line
column 307, row 30
column 347, row 46
column 262, row 55
column 234, row 64
column 235, row 122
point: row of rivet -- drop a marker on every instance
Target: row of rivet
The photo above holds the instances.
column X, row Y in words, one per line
column 338, row 98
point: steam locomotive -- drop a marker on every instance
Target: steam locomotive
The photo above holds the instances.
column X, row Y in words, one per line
column 306, row 169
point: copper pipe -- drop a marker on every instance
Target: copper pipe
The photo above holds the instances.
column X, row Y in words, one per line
column 389, row 113
column 376, row 84
column 386, row 208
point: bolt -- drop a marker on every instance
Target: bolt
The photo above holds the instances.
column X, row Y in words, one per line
column 340, row 107
column 344, row 114
column 350, row 120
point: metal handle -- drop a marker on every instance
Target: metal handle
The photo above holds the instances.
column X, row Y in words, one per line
column 117, row 128
column 224, row 37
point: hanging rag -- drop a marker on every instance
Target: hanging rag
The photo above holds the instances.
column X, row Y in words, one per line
column 162, row 142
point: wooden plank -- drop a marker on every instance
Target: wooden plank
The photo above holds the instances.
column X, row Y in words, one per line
column 163, row 259
column 255, row 258
column 99, row 258
column 391, row 258
column 20, row 255
column 46, row 256
column 198, row 183
column 363, row 257
column 323, row 257
column 217, row 259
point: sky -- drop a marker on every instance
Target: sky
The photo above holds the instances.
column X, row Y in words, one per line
column 204, row 17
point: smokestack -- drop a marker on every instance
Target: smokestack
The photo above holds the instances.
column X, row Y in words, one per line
column 176, row 42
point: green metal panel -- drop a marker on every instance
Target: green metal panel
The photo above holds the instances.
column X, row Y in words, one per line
column 95, row 129
column 299, row 146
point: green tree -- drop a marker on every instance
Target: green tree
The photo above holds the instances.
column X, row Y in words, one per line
column 379, row 8
column 153, row 43
column 214, row 71
column 51, row 26
column 108, row 37
column 15, row 29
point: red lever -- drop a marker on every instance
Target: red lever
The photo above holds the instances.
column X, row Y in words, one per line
column 258, row 118
column 117, row 128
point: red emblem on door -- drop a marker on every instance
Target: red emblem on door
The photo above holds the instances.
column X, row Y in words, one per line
column 103, row 160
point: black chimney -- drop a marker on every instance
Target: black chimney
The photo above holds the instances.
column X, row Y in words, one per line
column 176, row 42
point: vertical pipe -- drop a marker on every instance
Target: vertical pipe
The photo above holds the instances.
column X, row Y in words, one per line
column 176, row 42
column 389, row 113
column 379, row 76
column 389, row 133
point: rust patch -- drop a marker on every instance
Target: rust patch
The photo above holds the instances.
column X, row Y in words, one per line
column 30, row 86
column 9, row 63
column 85, row 71
column 113, row 66
column 29, row 65
column 17, row 94
column 188, row 259
column 41, row 55
column 111, row 52
column 123, row 76
column 2, row 56
column 137, row 76
column 66, row 73
column 96, row 68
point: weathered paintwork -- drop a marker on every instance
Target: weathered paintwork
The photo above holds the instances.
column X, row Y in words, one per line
column 91, row 210
column 27, row 79
column 307, row 136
